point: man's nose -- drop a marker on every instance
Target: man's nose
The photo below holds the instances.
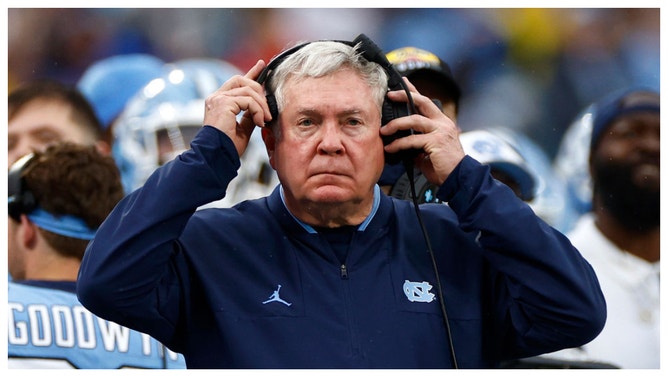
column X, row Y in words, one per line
column 331, row 139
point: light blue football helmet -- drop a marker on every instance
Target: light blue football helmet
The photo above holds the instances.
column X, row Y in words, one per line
column 550, row 202
column 493, row 150
column 159, row 122
column 571, row 163
column 110, row 83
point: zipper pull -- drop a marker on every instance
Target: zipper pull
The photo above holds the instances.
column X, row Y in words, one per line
column 344, row 271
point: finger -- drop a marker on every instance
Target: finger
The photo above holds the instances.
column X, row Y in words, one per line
column 410, row 85
column 417, row 123
column 255, row 70
column 253, row 104
column 222, row 107
column 258, row 97
column 253, row 74
column 242, row 86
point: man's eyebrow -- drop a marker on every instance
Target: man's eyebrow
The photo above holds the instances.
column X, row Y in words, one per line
column 307, row 111
column 313, row 111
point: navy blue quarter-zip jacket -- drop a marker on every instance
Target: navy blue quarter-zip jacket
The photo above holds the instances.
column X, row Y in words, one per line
column 253, row 287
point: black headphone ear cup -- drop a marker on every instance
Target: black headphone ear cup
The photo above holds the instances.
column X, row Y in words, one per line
column 14, row 209
column 390, row 111
column 22, row 203
column 28, row 201
column 387, row 112
column 393, row 110
column 21, row 199
column 273, row 106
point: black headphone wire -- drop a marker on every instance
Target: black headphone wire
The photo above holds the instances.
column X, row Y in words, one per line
column 408, row 165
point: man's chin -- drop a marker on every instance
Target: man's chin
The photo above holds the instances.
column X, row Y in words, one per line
column 330, row 194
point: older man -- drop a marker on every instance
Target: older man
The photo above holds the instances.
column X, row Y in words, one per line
column 327, row 271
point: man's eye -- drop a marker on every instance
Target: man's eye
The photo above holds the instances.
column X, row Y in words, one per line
column 48, row 137
column 353, row 121
column 625, row 134
column 305, row 122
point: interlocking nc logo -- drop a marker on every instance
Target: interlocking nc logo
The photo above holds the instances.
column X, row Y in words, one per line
column 418, row 291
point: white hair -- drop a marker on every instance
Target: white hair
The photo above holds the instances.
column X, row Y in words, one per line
column 320, row 58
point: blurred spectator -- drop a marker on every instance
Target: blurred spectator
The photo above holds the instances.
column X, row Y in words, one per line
column 620, row 237
column 433, row 77
column 594, row 60
column 57, row 199
column 44, row 112
column 55, row 43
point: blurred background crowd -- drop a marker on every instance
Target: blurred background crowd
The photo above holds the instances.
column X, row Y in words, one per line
column 531, row 70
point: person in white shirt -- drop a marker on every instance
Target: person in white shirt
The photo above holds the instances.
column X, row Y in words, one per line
column 620, row 236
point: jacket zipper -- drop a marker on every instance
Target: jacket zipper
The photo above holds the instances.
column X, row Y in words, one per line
column 344, row 271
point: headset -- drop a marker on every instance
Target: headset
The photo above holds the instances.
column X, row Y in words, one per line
column 21, row 199
column 390, row 110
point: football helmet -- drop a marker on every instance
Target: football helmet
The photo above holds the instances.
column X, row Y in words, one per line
column 109, row 83
column 550, row 202
column 571, row 163
column 490, row 149
column 159, row 122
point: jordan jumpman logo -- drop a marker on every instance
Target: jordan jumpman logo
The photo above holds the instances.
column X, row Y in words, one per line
column 275, row 298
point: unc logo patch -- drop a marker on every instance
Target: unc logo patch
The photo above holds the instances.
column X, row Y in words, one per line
column 418, row 291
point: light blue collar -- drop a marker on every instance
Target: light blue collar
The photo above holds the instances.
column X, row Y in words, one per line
column 362, row 226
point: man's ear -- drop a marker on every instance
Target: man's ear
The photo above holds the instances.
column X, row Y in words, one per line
column 270, row 144
column 103, row 147
column 28, row 233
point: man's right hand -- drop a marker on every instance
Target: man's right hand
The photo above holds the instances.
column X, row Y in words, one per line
column 239, row 93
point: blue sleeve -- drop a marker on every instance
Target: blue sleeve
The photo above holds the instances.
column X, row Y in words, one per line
column 546, row 295
column 132, row 272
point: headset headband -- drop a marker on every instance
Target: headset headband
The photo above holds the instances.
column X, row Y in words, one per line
column 278, row 59
column 368, row 48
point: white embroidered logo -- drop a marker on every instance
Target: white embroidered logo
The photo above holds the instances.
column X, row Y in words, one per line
column 276, row 298
column 418, row 291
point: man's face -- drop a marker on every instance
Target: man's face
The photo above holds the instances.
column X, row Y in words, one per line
column 625, row 169
column 41, row 123
column 329, row 150
column 434, row 90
